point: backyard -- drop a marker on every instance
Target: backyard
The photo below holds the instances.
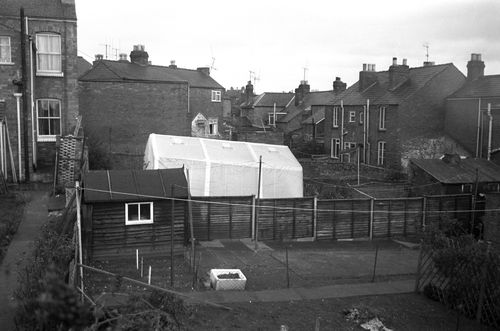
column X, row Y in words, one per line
column 11, row 211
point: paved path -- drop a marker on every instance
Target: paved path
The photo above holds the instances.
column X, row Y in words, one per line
column 310, row 293
column 35, row 214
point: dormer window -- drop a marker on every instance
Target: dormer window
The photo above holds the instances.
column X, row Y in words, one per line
column 216, row 96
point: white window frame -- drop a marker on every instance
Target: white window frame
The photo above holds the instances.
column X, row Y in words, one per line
column 335, row 148
column 216, row 96
column 335, row 117
column 349, row 145
column 466, row 188
column 352, row 116
column 150, row 220
column 47, row 137
column 8, row 50
column 362, row 115
column 381, row 153
column 493, row 187
column 381, row 118
column 51, row 53
column 213, row 122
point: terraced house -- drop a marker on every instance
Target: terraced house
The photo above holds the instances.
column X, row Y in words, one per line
column 390, row 116
column 38, row 94
column 122, row 102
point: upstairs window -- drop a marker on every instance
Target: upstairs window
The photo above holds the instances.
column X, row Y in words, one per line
column 362, row 115
column 335, row 117
column 335, row 152
column 48, row 59
column 139, row 213
column 5, row 50
column 381, row 153
column 352, row 116
column 216, row 96
column 213, row 126
column 381, row 118
column 49, row 119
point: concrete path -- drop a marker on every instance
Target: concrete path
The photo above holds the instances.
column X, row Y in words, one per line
column 310, row 293
column 35, row 214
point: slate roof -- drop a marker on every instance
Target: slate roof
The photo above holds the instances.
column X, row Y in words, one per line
column 62, row 9
column 115, row 71
column 135, row 185
column 317, row 117
column 82, row 65
column 267, row 99
column 310, row 99
column 486, row 86
column 463, row 172
column 380, row 93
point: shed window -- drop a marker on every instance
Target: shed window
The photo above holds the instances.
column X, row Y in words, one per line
column 138, row 213
column 466, row 188
column 493, row 187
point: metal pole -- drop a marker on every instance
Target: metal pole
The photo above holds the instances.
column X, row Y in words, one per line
column 79, row 226
column 25, row 98
column 490, row 128
column 19, row 150
column 287, row 269
column 375, row 264
column 256, row 210
column 359, row 150
column 172, row 237
column 190, row 216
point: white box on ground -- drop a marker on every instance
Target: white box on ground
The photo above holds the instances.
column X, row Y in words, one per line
column 228, row 280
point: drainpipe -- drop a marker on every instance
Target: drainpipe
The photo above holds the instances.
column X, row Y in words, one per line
column 367, row 149
column 32, row 97
column 478, row 127
column 25, row 97
column 19, row 151
column 342, row 130
column 490, row 127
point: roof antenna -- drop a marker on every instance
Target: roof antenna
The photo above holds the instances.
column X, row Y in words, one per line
column 426, row 46
column 305, row 69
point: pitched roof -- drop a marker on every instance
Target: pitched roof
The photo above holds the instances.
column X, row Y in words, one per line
column 106, row 70
column 462, row 172
column 379, row 92
column 310, row 99
column 486, row 86
column 133, row 185
column 268, row 99
column 82, row 65
column 62, row 9
column 316, row 117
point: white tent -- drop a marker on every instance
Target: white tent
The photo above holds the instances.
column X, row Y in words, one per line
column 227, row 168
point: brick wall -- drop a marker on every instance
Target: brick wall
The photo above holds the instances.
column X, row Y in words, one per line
column 122, row 115
column 201, row 103
column 60, row 88
column 268, row 137
column 491, row 218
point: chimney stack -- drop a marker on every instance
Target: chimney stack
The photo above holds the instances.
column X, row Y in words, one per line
column 475, row 67
column 98, row 57
column 398, row 73
column 248, row 92
column 172, row 65
column 429, row 63
column 301, row 91
column 205, row 70
column 339, row 85
column 367, row 76
column 123, row 57
column 139, row 55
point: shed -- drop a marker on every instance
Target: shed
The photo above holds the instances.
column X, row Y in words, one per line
column 228, row 168
column 125, row 210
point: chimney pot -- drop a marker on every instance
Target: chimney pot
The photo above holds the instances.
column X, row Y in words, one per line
column 123, row 57
column 365, row 67
column 172, row 64
column 394, row 61
column 98, row 57
column 405, row 62
column 205, row 70
column 475, row 67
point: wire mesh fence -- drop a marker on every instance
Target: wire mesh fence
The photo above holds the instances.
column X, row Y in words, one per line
column 464, row 275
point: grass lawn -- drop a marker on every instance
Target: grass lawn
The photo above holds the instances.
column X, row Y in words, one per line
column 11, row 212
column 397, row 312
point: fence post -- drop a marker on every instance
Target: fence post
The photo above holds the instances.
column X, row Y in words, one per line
column 372, row 204
column 424, row 213
column 375, row 263
column 315, row 216
column 419, row 266
column 483, row 286
column 253, row 217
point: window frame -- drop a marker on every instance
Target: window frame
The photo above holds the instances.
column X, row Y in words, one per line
column 335, row 117
column 213, row 121
column 45, row 71
column 216, row 96
column 382, row 110
column 47, row 137
column 352, row 116
column 8, row 46
column 362, row 116
column 493, row 187
column 335, row 148
column 139, row 221
column 468, row 186
column 381, row 149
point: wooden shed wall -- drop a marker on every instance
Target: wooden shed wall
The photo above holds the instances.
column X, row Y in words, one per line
column 105, row 232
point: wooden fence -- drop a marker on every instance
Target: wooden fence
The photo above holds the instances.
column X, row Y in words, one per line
column 278, row 219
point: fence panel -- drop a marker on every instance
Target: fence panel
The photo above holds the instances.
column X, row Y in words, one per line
column 396, row 217
column 448, row 206
column 343, row 219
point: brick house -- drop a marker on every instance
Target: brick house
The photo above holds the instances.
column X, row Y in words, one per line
column 123, row 101
column 305, row 117
column 51, row 81
column 468, row 117
column 391, row 116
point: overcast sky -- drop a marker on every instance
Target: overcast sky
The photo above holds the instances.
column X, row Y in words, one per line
column 278, row 39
